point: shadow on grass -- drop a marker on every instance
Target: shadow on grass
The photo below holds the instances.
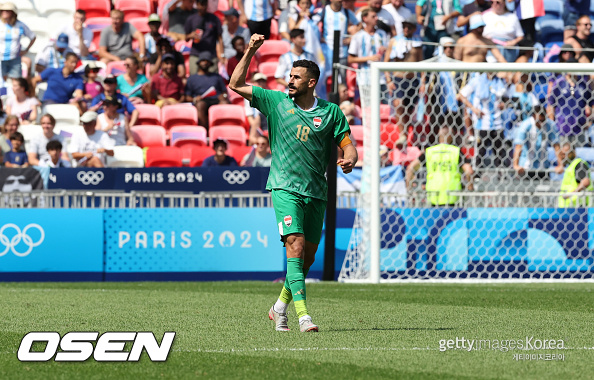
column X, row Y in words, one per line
column 391, row 329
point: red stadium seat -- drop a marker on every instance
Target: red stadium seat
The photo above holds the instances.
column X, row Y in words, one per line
column 97, row 24
column 115, row 68
column 149, row 135
column 134, row 8
column 274, row 34
column 386, row 113
column 148, row 114
column 399, row 157
column 225, row 114
column 271, row 50
column 389, row 134
column 140, row 23
column 269, row 69
column 235, row 135
column 357, row 134
column 238, row 152
column 235, row 98
column 179, row 114
column 94, row 8
column 188, row 135
column 163, row 157
column 197, row 154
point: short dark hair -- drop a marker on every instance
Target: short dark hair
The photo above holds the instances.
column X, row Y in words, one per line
column 219, row 142
column 53, row 145
column 70, row 54
column 235, row 39
column 18, row 136
column 294, row 33
column 81, row 12
column 23, row 83
column 312, row 68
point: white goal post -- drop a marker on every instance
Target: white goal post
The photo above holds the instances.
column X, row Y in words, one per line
column 527, row 236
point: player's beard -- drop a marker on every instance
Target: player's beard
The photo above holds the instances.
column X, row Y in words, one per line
column 297, row 92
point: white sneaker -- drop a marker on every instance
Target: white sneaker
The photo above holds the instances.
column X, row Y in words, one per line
column 280, row 320
column 307, row 325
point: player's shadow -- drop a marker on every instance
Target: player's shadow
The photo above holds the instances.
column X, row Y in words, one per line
column 391, row 329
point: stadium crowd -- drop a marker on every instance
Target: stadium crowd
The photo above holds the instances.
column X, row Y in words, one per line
column 142, row 73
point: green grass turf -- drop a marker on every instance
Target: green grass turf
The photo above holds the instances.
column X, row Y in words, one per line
column 366, row 331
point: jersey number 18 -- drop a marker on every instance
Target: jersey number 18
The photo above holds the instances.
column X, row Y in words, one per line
column 302, row 132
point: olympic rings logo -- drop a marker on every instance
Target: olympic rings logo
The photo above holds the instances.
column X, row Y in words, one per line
column 23, row 235
column 90, row 178
column 236, row 176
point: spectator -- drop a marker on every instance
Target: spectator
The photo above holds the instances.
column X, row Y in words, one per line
column 53, row 54
column 63, row 84
column 232, row 29
column 239, row 46
column 384, row 154
column 219, row 158
column 179, row 11
column 205, row 88
column 206, row 31
column 54, row 158
column 473, row 47
column 503, row 28
column 335, row 17
column 440, row 22
column 447, row 45
column 526, row 53
column 580, row 40
column 570, row 101
column 89, row 148
column 21, row 103
column 444, row 163
column 37, row 145
column 385, row 20
column 131, row 84
column 257, row 14
column 79, row 36
column 572, row 10
column 164, row 47
column 488, row 91
column 153, row 36
column 260, row 156
column 109, row 89
column 115, row 43
column 347, row 106
column 532, row 139
column 470, row 9
column 11, row 31
column 527, row 12
column 11, row 124
column 405, row 86
column 567, row 54
column 368, row 45
column 297, row 52
column 256, row 119
column 17, row 157
column 166, row 86
column 92, row 87
column 114, row 123
column 399, row 13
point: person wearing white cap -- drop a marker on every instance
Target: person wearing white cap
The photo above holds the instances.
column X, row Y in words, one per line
column 89, row 148
column 11, row 31
column 473, row 46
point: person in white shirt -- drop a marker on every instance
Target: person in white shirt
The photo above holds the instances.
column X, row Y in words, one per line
column 90, row 147
column 21, row 103
column 54, row 156
column 114, row 123
column 503, row 28
column 385, row 20
column 37, row 146
column 399, row 13
column 297, row 52
column 79, row 36
column 368, row 45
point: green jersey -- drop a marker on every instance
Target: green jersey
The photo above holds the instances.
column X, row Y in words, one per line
column 300, row 141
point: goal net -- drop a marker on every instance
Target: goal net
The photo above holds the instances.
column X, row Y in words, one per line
column 511, row 200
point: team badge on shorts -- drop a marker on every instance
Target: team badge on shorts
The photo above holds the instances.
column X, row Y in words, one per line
column 288, row 220
column 317, row 122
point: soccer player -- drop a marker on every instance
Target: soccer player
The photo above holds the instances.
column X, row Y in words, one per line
column 301, row 128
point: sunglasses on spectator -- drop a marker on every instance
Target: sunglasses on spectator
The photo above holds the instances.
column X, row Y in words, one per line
column 586, row 24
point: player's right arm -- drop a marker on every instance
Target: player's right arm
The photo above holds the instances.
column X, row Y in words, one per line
column 237, row 81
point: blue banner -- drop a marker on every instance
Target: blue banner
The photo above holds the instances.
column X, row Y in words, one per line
column 51, row 241
column 192, row 240
column 193, row 180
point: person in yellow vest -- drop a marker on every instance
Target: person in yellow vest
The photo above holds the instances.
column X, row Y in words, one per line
column 446, row 169
column 575, row 180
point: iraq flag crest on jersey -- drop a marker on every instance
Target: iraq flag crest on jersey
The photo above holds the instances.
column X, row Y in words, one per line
column 317, row 121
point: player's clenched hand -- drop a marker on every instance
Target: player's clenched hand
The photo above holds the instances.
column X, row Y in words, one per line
column 256, row 41
column 346, row 165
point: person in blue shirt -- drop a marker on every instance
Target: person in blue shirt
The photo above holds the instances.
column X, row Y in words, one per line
column 16, row 158
column 109, row 89
column 532, row 138
column 219, row 158
column 63, row 84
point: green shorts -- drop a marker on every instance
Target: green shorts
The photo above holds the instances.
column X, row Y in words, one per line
column 298, row 214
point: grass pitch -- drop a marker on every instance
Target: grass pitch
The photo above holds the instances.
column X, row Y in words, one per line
column 366, row 331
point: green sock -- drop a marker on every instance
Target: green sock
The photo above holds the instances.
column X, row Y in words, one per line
column 286, row 295
column 297, row 284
